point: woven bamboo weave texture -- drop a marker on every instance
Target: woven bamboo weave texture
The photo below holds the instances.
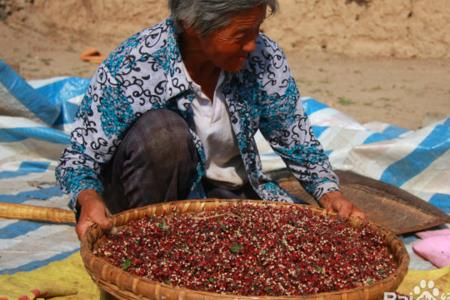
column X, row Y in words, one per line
column 126, row 286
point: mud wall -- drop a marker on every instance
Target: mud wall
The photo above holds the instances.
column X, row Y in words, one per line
column 398, row 28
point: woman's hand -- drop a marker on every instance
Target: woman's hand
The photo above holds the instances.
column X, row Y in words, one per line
column 93, row 210
column 335, row 201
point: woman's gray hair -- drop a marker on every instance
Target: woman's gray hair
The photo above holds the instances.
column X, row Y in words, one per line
column 208, row 15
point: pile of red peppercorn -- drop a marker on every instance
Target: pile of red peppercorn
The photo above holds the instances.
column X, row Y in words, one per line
column 251, row 250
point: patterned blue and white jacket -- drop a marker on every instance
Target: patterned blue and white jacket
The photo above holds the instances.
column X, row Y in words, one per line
column 144, row 73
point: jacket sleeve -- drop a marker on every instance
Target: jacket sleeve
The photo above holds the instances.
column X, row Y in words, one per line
column 110, row 106
column 287, row 128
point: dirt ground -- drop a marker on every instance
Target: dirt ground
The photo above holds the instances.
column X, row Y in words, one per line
column 409, row 91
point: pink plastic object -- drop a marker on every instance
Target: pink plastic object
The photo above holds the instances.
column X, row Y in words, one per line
column 431, row 233
column 435, row 249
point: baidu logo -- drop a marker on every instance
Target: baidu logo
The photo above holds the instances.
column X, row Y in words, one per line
column 425, row 290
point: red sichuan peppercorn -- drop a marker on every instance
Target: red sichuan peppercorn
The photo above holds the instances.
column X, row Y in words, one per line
column 251, row 250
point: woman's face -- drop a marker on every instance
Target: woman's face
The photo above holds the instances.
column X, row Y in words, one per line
column 228, row 47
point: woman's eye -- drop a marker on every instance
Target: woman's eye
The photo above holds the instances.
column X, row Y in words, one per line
column 239, row 36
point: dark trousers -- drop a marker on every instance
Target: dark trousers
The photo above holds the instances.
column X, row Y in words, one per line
column 156, row 162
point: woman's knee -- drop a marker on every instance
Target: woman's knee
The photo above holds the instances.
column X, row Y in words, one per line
column 160, row 134
column 156, row 157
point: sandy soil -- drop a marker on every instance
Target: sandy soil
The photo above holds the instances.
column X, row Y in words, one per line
column 409, row 93
column 396, row 83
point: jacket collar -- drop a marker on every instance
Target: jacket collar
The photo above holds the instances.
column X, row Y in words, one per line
column 169, row 58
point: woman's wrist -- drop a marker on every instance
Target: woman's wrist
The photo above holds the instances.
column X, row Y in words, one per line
column 87, row 196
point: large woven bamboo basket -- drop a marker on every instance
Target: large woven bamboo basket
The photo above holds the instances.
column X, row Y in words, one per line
column 123, row 285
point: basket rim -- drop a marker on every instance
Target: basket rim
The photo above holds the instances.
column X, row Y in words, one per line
column 401, row 256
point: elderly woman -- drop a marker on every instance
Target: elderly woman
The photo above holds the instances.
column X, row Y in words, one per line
column 172, row 112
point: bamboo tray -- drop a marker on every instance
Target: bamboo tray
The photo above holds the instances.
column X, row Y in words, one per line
column 384, row 204
column 123, row 285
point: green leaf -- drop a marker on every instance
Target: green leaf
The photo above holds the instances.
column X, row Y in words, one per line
column 163, row 225
column 319, row 269
column 223, row 227
column 126, row 264
column 211, row 280
column 236, row 248
column 369, row 281
column 263, row 252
